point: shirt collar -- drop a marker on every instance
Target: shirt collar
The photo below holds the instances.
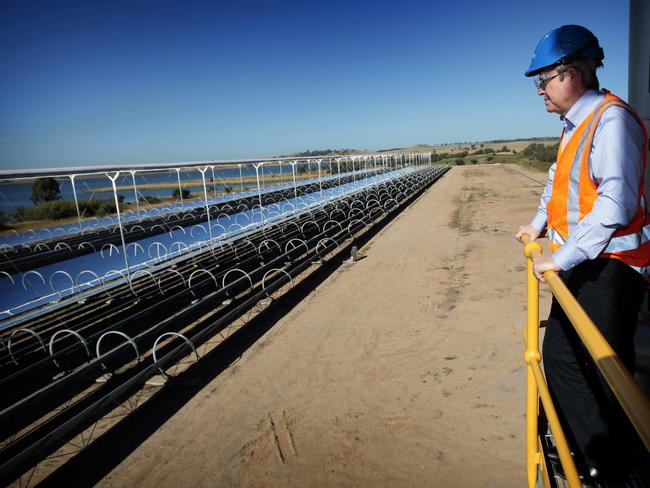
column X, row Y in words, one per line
column 581, row 108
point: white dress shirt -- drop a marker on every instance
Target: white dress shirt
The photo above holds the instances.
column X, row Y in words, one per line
column 615, row 166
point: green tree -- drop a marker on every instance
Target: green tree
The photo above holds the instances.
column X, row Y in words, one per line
column 541, row 152
column 45, row 190
column 185, row 192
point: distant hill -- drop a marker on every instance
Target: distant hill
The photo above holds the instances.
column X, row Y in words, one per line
column 324, row 152
column 451, row 147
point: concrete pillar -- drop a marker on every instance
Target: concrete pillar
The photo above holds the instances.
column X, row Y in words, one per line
column 639, row 69
column 639, row 98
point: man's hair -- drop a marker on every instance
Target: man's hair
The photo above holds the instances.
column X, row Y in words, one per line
column 587, row 69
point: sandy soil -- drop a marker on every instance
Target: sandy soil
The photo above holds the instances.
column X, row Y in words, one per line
column 403, row 369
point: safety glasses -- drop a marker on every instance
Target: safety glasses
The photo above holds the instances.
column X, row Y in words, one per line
column 541, row 82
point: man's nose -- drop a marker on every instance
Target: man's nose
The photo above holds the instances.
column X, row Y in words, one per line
column 541, row 91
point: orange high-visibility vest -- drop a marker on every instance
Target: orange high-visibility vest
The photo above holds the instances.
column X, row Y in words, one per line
column 574, row 194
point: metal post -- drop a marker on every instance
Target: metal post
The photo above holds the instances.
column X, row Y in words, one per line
column 293, row 170
column 241, row 179
column 76, row 203
column 135, row 194
column 320, row 183
column 119, row 222
column 338, row 165
column 180, row 188
column 214, row 182
column 532, row 354
column 207, row 205
column 259, row 191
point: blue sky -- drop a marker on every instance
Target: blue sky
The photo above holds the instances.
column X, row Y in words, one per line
column 117, row 81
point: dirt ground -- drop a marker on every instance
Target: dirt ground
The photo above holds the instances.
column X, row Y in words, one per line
column 403, row 369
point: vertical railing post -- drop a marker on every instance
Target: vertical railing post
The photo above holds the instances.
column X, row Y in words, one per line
column 180, row 188
column 320, row 181
column 76, row 203
column 214, row 183
column 241, row 179
column 293, row 172
column 135, row 194
column 539, row 391
column 207, row 203
column 119, row 222
column 532, row 354
column 259, row 191
column 338, row 168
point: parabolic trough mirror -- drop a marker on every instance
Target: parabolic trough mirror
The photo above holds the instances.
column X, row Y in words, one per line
column 139, row 272
column 66, row 232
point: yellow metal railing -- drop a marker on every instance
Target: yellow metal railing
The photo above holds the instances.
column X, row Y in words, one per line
column 634, row 402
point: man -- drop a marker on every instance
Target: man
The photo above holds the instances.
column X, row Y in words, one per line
column 593, row 208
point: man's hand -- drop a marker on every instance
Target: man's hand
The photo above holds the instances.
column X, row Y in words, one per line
column 527, row 229
column 544, row 263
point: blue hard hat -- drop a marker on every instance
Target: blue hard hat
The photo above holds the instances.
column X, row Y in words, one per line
column 563, row 45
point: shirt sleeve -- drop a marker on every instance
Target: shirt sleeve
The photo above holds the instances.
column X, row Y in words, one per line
column 616, row 166
column 540, row 220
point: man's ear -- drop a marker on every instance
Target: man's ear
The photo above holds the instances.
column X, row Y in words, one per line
column 574, row 74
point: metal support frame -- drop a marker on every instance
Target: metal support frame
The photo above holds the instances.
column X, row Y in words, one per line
column 320, row 181
column 259, row 191
column 76, row 202
column 205, row 195
column 135, row 195
column 119, row 220
column 180, row 188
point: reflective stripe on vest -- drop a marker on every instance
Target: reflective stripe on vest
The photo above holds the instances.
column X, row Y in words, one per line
column 573, row 201
column 574, row 193
column 628, row 242
column 554, row 237
column 644, row 270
